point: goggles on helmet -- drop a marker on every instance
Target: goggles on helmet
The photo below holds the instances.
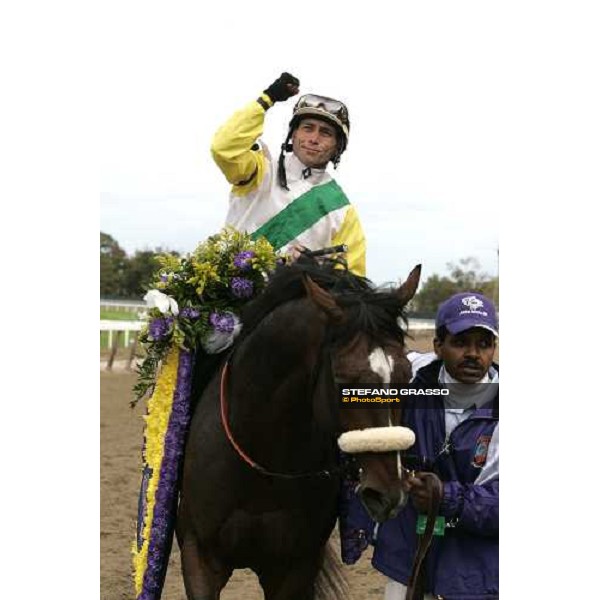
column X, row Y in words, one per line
column 321, row 107
column 326, row 108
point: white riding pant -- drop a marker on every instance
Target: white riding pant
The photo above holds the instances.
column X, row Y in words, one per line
column 394, row 590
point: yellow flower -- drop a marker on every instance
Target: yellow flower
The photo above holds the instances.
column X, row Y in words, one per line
column 156, row 422
column 169, row 262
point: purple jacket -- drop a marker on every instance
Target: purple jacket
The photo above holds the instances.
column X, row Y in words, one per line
column 463, row 563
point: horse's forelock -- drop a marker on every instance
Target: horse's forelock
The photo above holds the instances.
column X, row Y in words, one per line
column 377, row 315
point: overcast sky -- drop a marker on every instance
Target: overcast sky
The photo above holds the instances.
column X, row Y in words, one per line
column 461, row 111
column 424, row 101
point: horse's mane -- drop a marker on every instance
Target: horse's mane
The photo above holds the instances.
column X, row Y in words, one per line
column 370, row 311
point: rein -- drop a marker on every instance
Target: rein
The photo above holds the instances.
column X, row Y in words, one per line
column 415, row 588
column 240, row 452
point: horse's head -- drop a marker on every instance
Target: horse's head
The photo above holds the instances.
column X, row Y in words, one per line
column 367, row 350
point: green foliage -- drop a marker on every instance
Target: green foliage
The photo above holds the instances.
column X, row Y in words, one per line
column 433, row 292
column 140, row 270
column 215, row 281
column 146, row 371
column 113, row 261
column 464, row 277
column 122, row 276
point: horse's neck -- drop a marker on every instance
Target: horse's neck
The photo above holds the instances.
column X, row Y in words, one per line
column 285, row 345
column 272, row 378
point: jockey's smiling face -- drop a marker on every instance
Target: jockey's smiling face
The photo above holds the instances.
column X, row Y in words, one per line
column 468, row 355
column 314, row 142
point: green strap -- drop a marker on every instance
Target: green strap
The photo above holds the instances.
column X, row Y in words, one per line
column 302, row 214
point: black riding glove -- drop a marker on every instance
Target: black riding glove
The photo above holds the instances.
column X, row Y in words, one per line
column 283, row 88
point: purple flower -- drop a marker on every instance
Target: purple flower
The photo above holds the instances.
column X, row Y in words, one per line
column 222, row 322
column 190, row 313
column 164, row 277
column 243, row 260
column 159, row 328
column 162, row 526
column 241, row 287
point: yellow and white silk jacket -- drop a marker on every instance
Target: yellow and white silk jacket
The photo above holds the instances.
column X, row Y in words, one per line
column 314, row 213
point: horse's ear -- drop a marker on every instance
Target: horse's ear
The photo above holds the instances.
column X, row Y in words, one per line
column 324, row 300
column 408, row 289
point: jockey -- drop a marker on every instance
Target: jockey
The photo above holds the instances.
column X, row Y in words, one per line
column 292, row 201
column 459, row 445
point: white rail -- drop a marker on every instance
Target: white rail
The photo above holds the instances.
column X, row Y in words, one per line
column 126, row 326
column 421, row 324
column 126, row 306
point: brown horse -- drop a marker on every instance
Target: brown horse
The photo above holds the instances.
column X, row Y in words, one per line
column 261, row 473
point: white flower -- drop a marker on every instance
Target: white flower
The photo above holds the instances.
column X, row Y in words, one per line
column 164, row 303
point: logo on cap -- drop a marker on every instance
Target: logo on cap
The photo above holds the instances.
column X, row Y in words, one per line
column 472, row 302
column 465, row 310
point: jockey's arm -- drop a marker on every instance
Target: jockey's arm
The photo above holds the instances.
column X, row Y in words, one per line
column 234, row 147
column 351, row 234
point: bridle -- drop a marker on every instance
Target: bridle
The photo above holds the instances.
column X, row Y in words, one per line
column 325, row 473
column 323, row 358
column 416, row 582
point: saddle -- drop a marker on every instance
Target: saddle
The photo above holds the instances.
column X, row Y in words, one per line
column 416, row 583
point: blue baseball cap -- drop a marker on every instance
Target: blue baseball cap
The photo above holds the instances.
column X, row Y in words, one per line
column 463, row 311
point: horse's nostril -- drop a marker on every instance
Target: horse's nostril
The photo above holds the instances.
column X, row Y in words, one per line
column 371, row 496
column 376, row 504
column 380, row 506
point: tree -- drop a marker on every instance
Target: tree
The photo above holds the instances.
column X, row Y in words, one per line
column 113, row 262
column 140, row 269
column 122, row 276
column 466, row 274
column 464, row 277
column 434, row 291
column 491, row 289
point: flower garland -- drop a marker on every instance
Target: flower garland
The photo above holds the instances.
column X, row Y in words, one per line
column 195, row 301
column 165, row 425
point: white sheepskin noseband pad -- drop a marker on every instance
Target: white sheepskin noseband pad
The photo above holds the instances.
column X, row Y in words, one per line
column 376, row 439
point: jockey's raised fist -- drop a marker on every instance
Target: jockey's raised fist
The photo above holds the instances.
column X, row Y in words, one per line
column 283, row 88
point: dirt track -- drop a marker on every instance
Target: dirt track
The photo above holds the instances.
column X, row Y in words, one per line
column 121, row 435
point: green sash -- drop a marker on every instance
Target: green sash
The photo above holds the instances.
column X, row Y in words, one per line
column 302, row 214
